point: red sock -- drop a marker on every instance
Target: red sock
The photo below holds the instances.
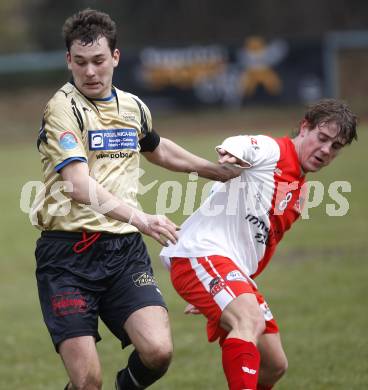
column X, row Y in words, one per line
column 261, row 387
column 240, row 360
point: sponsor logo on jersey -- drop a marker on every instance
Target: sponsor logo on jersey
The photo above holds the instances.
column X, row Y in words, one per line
column 141, row 279
column 263, row 235
column 67, row 303
column 254, row 143
column 96, row 141
column 236, row 275
column 128, row 116
column 267, row 314
column 114, row 139
column 115, row 155
column 216, row 285
column 68, row 140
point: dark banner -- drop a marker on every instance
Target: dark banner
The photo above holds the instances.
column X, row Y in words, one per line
column 275, row 71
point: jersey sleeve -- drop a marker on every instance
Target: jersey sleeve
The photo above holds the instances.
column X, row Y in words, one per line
column 239, row 146
column 61, row 140
column 251, row 150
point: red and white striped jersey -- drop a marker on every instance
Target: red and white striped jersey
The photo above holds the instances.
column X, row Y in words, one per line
column 246, row 217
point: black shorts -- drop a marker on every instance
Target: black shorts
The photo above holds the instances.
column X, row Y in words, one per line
column 111, row 279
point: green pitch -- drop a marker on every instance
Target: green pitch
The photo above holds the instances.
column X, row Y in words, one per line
column 316, row 285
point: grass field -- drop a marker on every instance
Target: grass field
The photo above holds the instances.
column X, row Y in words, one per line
column 316, row 284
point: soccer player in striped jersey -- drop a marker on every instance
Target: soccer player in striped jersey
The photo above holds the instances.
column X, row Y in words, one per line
column 225, row 244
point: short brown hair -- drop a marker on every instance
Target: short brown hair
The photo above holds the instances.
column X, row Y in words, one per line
column 89, row 25
column 332, row 110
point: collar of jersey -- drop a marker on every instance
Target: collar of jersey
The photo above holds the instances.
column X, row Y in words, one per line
column 113, row 95
column 106, row 99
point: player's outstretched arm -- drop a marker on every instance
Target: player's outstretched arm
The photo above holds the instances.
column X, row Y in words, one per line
column 85, row 190
column 175, row 158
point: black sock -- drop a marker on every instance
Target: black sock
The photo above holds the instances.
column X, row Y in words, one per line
column 125, row 381
column 136, row 375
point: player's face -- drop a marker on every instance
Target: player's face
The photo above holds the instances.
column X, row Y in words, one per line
column 319, row 146
column 92, row 67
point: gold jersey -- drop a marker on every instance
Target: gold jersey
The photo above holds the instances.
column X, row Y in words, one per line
column 105, row 134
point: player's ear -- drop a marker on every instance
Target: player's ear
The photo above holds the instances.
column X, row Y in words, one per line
column 69, row 60
column 115, row 58
column 304, row 128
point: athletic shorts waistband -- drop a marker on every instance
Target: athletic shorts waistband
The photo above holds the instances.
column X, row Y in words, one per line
column 77, row 236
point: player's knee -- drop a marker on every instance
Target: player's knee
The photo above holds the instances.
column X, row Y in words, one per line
column 282, row 368
column 158, row 356
column 88, row 382
column 279, row 368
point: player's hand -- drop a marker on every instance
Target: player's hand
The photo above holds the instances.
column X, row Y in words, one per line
column 158, row 227
column 190, row 309
column 229, row 166
column 227, row 158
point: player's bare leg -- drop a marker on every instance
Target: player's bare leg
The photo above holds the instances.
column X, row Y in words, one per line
column 149, row 330
column 240, row 356
column 273, row 360
column 82, row 364
column 243, row 318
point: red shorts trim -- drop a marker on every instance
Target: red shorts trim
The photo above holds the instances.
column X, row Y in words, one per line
column 210, row 283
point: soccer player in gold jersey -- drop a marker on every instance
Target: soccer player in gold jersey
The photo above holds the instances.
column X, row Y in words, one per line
column 91, row 259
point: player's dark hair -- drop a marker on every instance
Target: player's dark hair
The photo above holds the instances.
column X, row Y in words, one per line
column 89, row 25
column 332, row 110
